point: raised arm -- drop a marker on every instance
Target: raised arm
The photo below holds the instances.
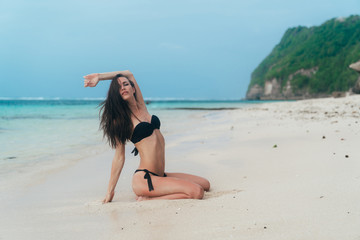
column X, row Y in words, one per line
column 93, row 79
column 117, row 166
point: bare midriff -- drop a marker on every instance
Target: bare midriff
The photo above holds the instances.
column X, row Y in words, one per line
column 152, row 153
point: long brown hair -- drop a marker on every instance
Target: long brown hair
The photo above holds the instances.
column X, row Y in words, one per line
column 115, row 115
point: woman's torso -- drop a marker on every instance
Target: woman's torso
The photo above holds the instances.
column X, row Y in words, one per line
column 151, row 148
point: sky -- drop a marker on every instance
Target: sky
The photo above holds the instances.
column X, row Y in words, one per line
column 181, row 49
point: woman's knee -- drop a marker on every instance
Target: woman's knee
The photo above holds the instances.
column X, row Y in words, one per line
column 197, row 192
column 206, row 185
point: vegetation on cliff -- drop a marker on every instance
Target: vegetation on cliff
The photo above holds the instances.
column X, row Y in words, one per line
column 326, row 50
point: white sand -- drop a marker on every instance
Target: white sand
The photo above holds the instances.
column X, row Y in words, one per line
column 305, row 188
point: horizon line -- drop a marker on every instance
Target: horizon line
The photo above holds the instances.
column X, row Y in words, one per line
column 101, row 99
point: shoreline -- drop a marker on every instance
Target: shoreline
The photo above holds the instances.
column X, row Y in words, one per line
column 277, row 170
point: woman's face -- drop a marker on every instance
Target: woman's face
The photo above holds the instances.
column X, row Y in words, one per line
column 126, row 90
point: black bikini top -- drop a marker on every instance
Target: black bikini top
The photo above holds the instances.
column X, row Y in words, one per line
column 145, row 129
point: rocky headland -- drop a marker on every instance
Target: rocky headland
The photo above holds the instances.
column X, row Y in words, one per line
column 311, row 63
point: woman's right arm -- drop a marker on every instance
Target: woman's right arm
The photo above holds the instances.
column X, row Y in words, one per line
column 91, row 80
column 117, row 166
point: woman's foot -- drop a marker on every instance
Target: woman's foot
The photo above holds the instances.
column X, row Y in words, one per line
column 142, row 198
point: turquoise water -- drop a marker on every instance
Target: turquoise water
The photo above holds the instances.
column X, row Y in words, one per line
column 33, row 131
column 38, row 132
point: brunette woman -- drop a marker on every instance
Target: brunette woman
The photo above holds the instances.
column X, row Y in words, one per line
column 124, row 117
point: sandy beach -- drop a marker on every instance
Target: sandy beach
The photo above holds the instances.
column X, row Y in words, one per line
column 283, row 170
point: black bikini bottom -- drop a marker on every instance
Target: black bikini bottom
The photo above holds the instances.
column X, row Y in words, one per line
column 148, row 177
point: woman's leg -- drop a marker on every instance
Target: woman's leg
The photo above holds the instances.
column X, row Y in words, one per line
column 166, row 188
column 204, row 183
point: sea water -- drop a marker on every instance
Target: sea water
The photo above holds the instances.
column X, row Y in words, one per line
column 41, row 132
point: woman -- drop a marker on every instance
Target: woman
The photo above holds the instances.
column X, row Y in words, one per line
column 124, row 116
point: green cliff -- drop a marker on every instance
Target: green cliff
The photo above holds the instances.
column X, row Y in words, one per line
column 309, row 62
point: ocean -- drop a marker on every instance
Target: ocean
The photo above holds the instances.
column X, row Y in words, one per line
column 35, row 133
